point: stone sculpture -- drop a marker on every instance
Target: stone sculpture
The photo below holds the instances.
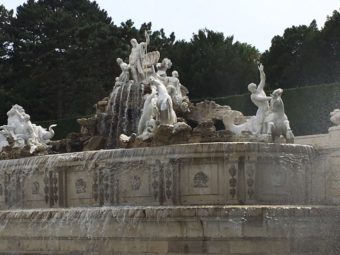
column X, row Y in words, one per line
column 124, row 76
column 163, row 67
column 167, row 114
column 248, row 126
column 270, row 121
column 21, row 133
column 147, row 122
column 175, row 89
column 154, row 110
column 276, row 120
column 335, row 117
column 259, row 98
column 136, row 58
column 255, row 124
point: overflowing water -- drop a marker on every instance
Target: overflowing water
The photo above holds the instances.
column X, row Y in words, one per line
column 131, row 230
column 122, row 113
column 177, row 173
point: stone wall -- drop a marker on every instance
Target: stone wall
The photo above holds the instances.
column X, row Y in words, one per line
column 191, row 174
column 326, row 166
column 272, row 230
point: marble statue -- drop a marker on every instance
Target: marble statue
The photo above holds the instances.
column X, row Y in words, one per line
column 175, row 89
column 254, row 125
column 20, row 132
column 163, row 67
column 149, row 62
column 167, row 114
column 147, row 122
column 136, row 58
column 124, row 77
column 248, row 126
column 335, row 117
column 260, row 99
column 276, row 120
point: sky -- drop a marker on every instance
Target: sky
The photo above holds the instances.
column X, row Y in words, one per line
column 252, row 21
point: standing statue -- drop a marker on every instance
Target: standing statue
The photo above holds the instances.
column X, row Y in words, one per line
column 276, row 119
column 136, row 58
column 175, row 89
column 167, row 114
column 260, row 99
column 149, row 115
column 124, row 77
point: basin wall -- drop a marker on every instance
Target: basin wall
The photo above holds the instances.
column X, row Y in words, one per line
column 192, row 174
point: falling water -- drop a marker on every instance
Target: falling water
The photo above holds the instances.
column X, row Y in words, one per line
column 133, row 229
column 124, row 112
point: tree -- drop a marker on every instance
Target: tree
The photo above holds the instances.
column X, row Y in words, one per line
column 305, row 55
column 212, row 65
column 61, row 53
column 6, row 93
column 330, row 43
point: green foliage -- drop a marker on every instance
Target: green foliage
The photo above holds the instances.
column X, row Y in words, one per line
column 211, row 64
column 63, row 128
column 59, row 62
column 58, row 57
column 305, row 55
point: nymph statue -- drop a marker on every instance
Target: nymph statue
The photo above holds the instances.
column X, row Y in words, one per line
column 124, row 77
column 175, row 89
column 167, row 114
column 150, row 113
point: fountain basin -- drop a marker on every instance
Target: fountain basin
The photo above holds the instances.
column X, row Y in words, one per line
column 188, row 174
column 172, row 230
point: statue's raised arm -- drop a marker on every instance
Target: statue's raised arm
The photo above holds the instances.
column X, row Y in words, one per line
column 147, row 37
column 262, row 83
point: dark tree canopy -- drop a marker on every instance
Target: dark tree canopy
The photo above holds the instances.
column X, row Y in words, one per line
column 57, row 63
column 305, row 55
column 58, row 57
column 212, row 65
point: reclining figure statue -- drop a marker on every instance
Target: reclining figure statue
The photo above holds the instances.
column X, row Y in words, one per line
column 20, row 132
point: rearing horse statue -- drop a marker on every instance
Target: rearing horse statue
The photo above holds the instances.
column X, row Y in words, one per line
column 276, row 120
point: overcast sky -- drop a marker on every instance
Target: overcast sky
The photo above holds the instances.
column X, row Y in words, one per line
column 252, row 21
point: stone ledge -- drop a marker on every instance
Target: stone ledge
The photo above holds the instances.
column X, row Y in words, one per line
column 172, row 230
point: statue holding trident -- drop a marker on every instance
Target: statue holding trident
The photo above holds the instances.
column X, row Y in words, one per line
column 136, row 58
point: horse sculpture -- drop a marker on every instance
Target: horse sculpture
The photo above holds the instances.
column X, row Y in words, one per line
column 276, row 120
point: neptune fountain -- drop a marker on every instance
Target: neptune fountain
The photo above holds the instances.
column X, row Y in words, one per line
column 151, row 173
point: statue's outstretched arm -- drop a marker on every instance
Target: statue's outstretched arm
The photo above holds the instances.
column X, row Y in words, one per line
column 260, row 87
column 262, row 98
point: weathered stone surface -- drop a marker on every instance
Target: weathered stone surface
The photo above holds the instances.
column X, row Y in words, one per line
column 169, row 230
column 94, row 143
column 210, row 173
column 207, row 111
